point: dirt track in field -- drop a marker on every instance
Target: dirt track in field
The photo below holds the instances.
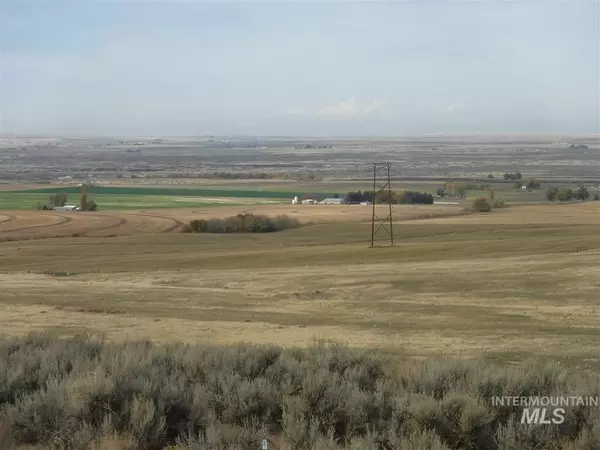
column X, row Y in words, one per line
column 23, row 225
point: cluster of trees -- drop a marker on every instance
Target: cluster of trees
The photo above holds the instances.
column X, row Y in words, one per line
column 412, row 198
column 482, row 204
column 55, row 200
column 86, row 204
column 566, row 194
column 531, row 183
column 60, row 199
column 358, row 197
column 513, row 176
column 406, row 197
column 454, row 188
column 242, row 223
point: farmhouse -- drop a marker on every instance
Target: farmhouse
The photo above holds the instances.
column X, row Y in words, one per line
column 306, row 200
column 67, row 208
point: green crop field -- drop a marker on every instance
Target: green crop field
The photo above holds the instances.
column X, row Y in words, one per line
column 116, row 198
column 28, row 201
column 232, row 192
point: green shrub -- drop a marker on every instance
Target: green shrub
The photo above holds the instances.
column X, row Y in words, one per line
column 551, row 194
column 532, row 183
column 89, row 205
column 498, row 204
column 564, row 195
column 581, row 193
column 242, row 223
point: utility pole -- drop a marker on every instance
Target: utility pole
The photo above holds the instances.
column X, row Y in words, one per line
column 382, row 182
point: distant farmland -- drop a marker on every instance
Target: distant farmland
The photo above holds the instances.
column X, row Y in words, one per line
column 110, row 190
column 132, row 198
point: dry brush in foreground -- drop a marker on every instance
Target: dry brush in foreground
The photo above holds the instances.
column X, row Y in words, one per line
column 86, row 393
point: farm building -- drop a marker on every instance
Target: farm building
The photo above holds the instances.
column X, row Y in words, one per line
column 67, row 208
column 308, row 200
column 331, row 201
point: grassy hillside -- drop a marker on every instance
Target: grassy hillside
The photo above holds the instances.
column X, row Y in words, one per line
column 508, row 285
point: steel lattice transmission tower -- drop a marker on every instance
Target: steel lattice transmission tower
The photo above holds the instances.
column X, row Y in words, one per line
column 382, row 182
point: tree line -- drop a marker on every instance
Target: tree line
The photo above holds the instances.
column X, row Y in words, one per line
column 512, row 176
column 566, row 194
column 397, row 198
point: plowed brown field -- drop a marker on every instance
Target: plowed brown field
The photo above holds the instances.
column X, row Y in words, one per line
column 47, row 224
column 17, row 225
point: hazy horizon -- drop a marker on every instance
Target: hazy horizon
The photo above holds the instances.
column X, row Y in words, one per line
column 331, row 69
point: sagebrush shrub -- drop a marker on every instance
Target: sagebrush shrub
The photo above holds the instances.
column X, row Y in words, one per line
column 87, row 393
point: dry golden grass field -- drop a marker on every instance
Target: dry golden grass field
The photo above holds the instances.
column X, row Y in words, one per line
column 518, row 282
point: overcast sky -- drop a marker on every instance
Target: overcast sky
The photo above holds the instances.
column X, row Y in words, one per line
column 299, row 68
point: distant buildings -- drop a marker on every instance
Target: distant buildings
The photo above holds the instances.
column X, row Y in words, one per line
column 331, row 201
column 309, row 200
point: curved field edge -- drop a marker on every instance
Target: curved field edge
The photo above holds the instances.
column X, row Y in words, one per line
column 23, row 225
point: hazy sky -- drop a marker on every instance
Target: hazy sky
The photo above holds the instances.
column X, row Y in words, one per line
column 299, row 68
